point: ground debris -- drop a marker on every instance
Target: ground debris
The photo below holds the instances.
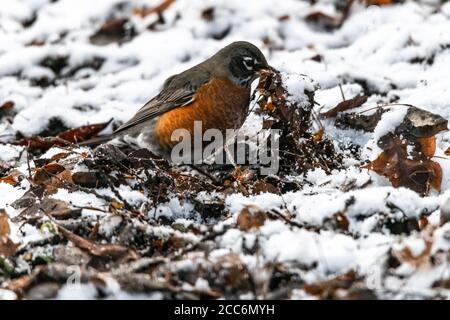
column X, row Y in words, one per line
column 354, row 212
column 301, row 148
column 406, row 157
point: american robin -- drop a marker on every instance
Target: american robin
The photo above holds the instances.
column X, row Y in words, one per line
column 215, row 92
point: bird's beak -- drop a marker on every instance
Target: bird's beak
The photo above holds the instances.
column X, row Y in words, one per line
column 264, row 69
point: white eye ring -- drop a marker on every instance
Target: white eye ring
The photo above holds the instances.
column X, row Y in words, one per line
column 248, row 63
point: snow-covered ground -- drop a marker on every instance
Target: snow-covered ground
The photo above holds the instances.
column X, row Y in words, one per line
column 394, row 53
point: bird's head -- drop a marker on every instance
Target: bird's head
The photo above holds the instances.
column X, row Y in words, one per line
column 241, row 61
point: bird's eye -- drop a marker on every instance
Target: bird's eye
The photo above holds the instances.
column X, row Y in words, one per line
column 249, row 63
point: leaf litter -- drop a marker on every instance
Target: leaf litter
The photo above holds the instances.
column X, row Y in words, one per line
column 326, row 226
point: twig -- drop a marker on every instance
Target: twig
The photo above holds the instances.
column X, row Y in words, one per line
column 206, row 174
column 276, row 214
column 342, row 92
column 387, row 106
column 28, row 164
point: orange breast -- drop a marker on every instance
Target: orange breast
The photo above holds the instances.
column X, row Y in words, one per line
column 219, row 104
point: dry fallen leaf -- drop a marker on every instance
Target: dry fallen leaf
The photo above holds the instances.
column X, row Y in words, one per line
column 58, row 209
column 47, row 172
column 424, row 258
column 428, row 145
column 447, row 151
column 65, row 138
column 379, row 2
column 13, row 178
column 407, row 153
column 88, row 179
column 7, row 105
column 9, row 180
column 4, row 225
column 143, row 12
column 116, row 205
column 262, row 186
column 318, row 135
column 251, row 217
column 344, row 106
column 419, row 174
column 323, row 19
column 105, row 251
column 83, row 133
column 51, row 177
column 21, row 284
column 7, row 247
column 335, row 287
column 233, row 270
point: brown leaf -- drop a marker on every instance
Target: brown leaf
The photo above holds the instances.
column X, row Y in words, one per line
column 58, row 181
column 104, row 251
column 323, row 19
column 7, row 247
column 317, row 137
column 447, row 151
column 44, row 174
column 263, row 187
column 51, row 177
column 423, row 223
column 21, row 284
column 251, row 217
column 442, row 283
column 379, row 2
column 419, row 174
column 65, row 138
column 406, row 255
column 83, row 133
column 116, row 205
column 327, row 289
column 40, row 143
column 59, row 209
column 88, row 179
column 338, row 221
column 59, row 156
column 208, row 14
column 13, row 178
column 7, row 105
column 143, row 12
column 9, row 180
column 427, row 145
column 4, row 225
column 359, row 121
column 232, row 269
column 344, row 106
column 270, row 107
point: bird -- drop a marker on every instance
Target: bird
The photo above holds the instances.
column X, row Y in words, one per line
column 216, row 92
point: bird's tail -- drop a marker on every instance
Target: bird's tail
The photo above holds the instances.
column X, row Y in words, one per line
column 96, row 141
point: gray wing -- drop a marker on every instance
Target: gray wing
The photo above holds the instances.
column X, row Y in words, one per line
column 177, row 91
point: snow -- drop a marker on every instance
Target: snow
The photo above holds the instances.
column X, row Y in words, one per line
column 334, row 252
column 79, row 198
column 373, row 51
column 389, row 121
column 7, row 295
column 77, row 291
